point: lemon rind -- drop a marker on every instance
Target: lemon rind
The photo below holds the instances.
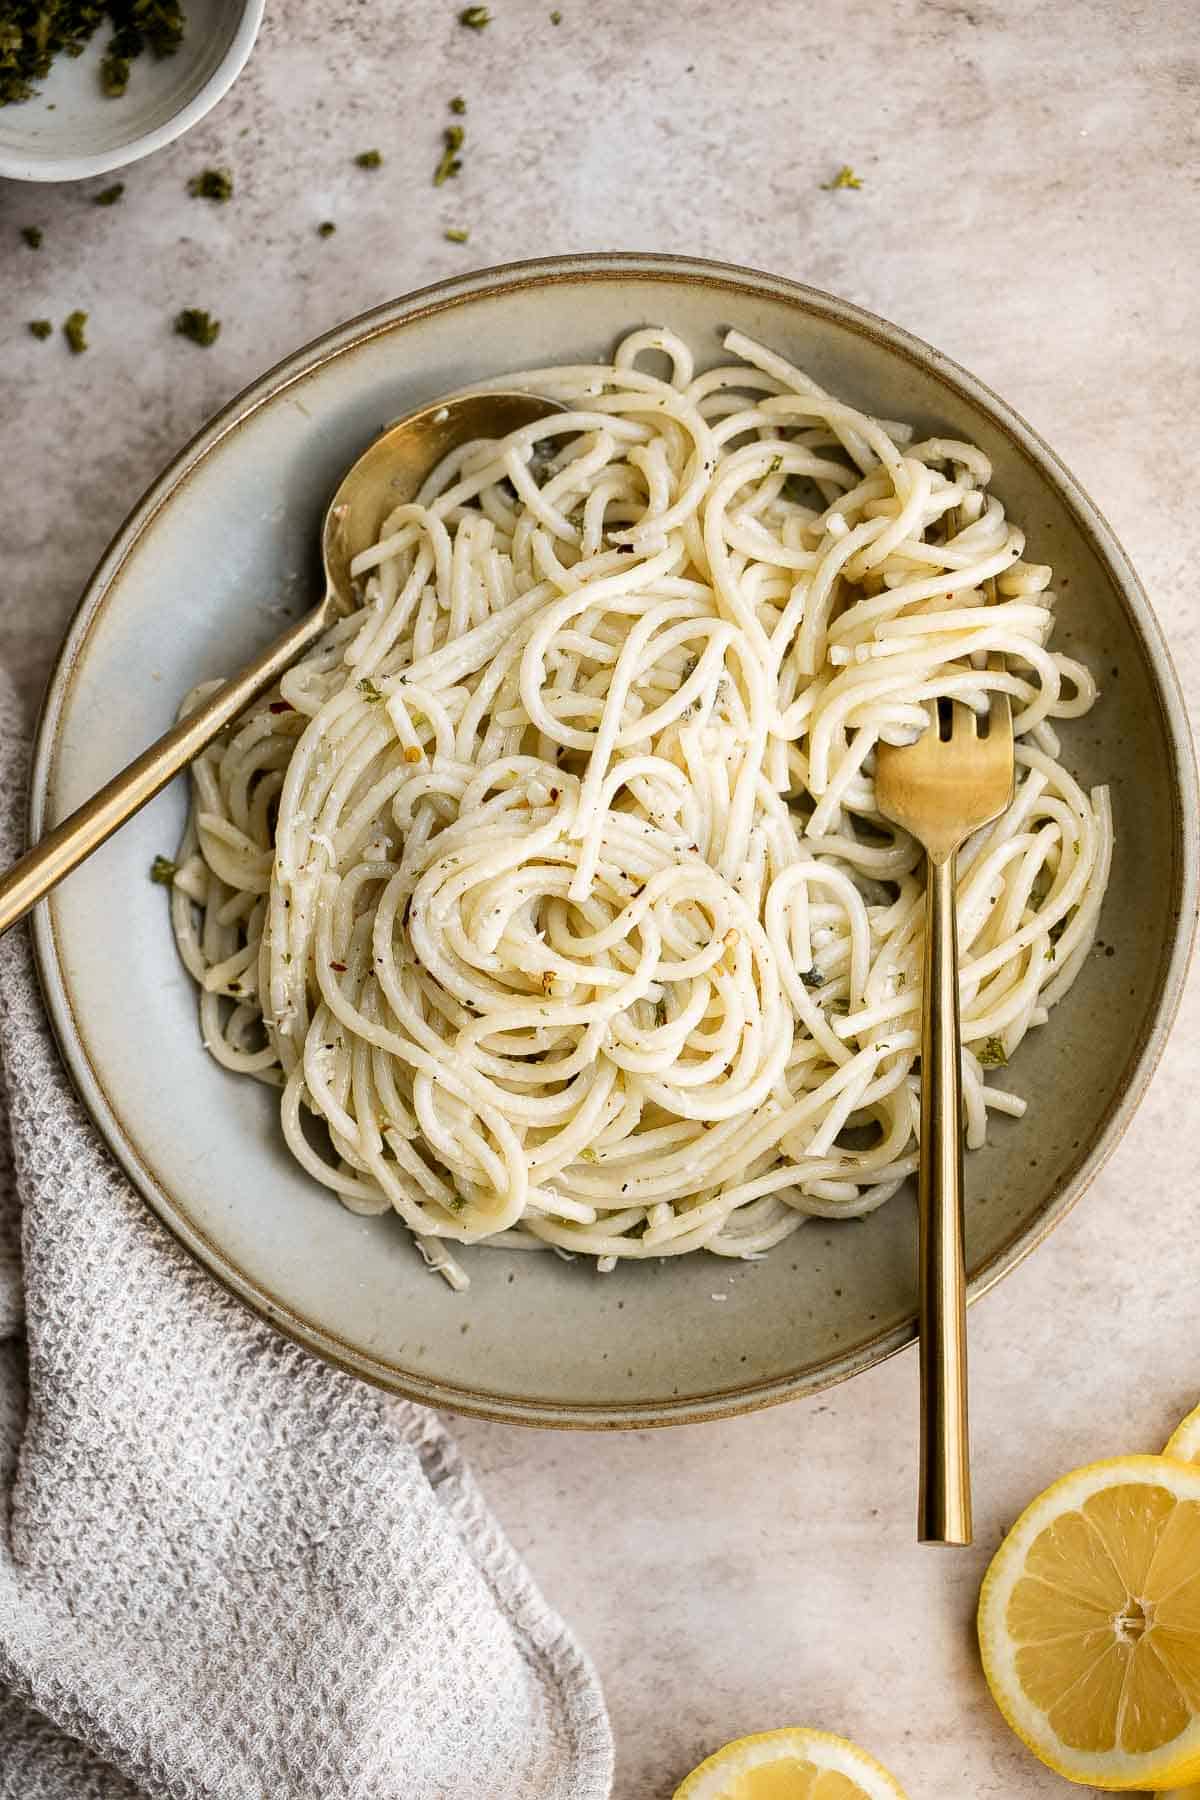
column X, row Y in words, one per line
column 1183, row 1445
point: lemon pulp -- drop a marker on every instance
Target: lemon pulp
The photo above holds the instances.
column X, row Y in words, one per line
column 795, row 1779
column 1106, row 1620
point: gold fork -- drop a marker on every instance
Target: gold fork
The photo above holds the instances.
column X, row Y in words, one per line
column 957, row 777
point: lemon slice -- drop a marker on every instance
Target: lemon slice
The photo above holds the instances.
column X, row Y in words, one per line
column 792, row 1764
column 1089, row 1624
column 1184, row 1445
column 1184, row 1442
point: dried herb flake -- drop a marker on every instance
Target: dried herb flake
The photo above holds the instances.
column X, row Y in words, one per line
column 211, row 184
column 845, row 178
column 450, row 162
column 198, row 326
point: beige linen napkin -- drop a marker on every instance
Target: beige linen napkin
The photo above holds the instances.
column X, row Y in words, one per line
column 227, row 1570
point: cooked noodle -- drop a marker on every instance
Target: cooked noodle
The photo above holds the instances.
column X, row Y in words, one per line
column 550, row 888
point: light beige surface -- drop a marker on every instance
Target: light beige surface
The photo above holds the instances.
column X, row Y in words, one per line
column 1029, row 205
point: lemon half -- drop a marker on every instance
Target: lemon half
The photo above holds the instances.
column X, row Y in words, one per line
column 791, row 1764
column 1089, row 1624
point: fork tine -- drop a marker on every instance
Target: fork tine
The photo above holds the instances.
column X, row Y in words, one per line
column 999, row 704
column 964, row 720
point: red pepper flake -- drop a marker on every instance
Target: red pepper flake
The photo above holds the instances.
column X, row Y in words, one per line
column 278, row 706
column 340, row 967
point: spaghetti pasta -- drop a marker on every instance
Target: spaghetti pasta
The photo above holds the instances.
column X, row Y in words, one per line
column 550, row 889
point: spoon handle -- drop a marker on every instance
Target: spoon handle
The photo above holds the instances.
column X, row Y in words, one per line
column 944, row 1513
column 84, row 830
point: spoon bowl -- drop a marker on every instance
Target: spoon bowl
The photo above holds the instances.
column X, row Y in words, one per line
column 392, row 470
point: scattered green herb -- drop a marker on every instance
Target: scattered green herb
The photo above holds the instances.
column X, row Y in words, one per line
column 475, row 18
column 588, row 1155
column 992, row 1055
column 454, row 234
column 34, row 32
column 845, row 178
column 73, row 330
column 775, row 465
column 33, row 235
column 41, row 328
column 114, row 76
column 326, row 228
column 812, row 978
column 458, row 104
column 369, row 159
column 211, row 184
column 198, row 326
column 369, row 691
column 164, row 871
column 110, row 195
column 1055, row 932
column 556, row 17
column 450, row 162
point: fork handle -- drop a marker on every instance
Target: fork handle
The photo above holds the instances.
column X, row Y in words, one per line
column 944, row 1508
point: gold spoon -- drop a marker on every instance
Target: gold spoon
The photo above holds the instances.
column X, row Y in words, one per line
column 385, row 476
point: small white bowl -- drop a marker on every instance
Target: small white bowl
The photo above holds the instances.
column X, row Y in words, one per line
column 71, row 129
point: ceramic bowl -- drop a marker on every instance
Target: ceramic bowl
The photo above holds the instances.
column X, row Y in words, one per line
column 197, row 578
column 71, row 130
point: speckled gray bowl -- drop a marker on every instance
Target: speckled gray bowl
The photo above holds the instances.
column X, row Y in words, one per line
column 194, row 581
column 70, row 129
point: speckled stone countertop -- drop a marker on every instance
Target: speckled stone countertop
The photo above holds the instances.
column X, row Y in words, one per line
column 1030, row 204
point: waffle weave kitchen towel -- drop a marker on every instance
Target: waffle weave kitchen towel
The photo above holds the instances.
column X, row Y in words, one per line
column 227, row 1570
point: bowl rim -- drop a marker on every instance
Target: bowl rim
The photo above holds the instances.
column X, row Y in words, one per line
column 15, row 167
column 538, row 275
